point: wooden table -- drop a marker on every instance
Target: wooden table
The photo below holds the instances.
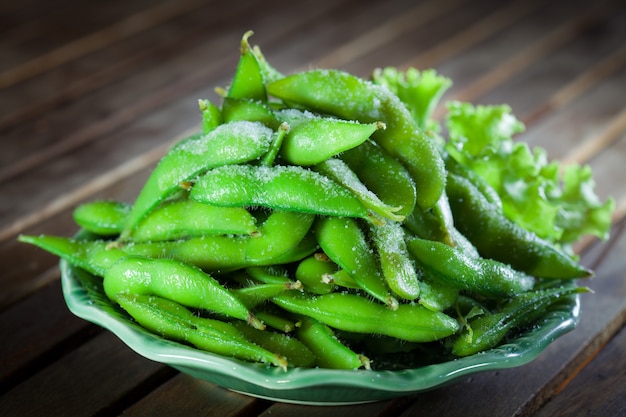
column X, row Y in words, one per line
column 92, row 93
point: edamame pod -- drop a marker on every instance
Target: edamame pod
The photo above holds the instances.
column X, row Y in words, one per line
column 280, row 239
column 486, row 277
column 275, row 320
column 397, row 267
column 352, row 98
column 230, row 143
column 94, row 256
column 329, row 351
column 176, row 281
column 210, row 253
column 343, row 241
column 253, row 295
column 269, row 274
column 173, row 321
column 296, row 352
column 211, row 116
column 498, row 238
column 281, row 232
column 487, row 331
column 340, row 172
column 354, row 313
column 104, row 218
column 316, row 139
column 234, row 109
column 437, row 295
column 311, row 272
column 384, row 175
column 248, row 81
column 187, row 218
column 290, row 188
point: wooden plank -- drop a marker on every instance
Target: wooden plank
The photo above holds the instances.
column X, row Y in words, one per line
column 560, row 32
column 184, row 395
column 38, row 331
column 428, row 45
column 606, row 374
column 598, row 51
column 596, row 117
column 165, row 74
column 101, row 375
column 381, row 408
column 15, row 16
column 181, row 74
column 385, row 33
column 27, row 268
column 54, row 40
column 166, row 29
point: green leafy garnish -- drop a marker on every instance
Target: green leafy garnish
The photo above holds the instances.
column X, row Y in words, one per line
column 554, row 201
column 557, row 202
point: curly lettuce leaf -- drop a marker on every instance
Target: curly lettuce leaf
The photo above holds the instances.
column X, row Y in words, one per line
column 555, row 202
column 420, row 91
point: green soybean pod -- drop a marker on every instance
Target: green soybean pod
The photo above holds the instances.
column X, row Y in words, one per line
column 230, row 143
column 253, row 295
column 211, row 115
column 281, row 239
column 328, row 350
column 437, row 295
column 341, row 278
column 269, row 72
column 104, row 218
column 173, row 321
column 488, row 330
column 435, row 223
column 384, row 175
column 248, row 81
column 296, row 352
column 94, row 256
column 340, row 172
column 210, row 253
column 311, row 272
column 280, row 233
column 397, row 267
column 289, row 188
column 179, row 219
column 270, row 274
column 499, row 238
column 354, row 313
column 175, row 281
column 316, row 139
column 343, row 241
column 486, row 277
column 275, row 320
column 352, row 98
column 238, row 109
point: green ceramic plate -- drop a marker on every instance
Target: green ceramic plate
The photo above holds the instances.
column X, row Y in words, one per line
column 84, row 297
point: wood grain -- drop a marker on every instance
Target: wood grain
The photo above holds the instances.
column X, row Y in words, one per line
column 89, row 104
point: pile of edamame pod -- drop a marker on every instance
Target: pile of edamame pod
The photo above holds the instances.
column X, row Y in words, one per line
column 320, row 220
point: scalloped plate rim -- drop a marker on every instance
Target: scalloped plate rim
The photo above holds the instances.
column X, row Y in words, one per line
column 279, row 383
